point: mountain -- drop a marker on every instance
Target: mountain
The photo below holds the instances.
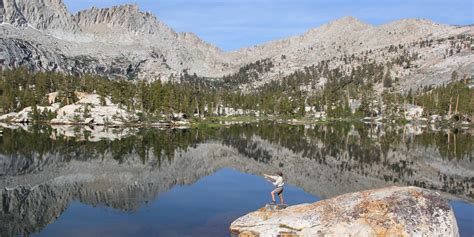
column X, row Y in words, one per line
column 119, row 41
column 349, row 37
column 123, row 41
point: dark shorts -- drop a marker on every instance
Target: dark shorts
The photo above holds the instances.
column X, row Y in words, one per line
column 278, row 190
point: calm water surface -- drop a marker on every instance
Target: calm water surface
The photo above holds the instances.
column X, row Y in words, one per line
column 92, row 181
column 205, row 208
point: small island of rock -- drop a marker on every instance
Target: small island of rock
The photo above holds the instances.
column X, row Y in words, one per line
column 393, row 211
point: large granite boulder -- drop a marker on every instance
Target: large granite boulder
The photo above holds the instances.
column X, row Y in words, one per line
column 393, row 211
column 89, row 109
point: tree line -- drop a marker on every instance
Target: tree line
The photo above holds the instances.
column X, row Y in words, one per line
column 319, row 86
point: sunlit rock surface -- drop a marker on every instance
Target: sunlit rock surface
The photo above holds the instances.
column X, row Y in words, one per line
column 26, row 114
column 394, row 211
column 89, row 109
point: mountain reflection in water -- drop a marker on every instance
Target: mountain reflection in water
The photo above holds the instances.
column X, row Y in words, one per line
column 44, row 169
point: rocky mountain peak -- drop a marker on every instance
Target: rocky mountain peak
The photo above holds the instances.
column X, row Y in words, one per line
column 194, row 40
column 107, row 15
column 349, row 21
column 341, row 26
column 116, row 19
column 405, row 30
column 47, row 15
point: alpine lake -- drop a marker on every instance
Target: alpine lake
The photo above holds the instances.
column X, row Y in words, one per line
column 134, row 181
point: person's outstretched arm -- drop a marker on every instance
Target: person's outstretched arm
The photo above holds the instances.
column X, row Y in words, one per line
column 270, row 177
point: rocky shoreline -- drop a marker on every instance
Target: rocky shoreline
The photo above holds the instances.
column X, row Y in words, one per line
column 392, row 211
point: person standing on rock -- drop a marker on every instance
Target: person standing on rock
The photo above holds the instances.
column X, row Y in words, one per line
column 278, row 182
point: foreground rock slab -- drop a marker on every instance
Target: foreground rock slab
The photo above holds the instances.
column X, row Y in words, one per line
column 393, row 211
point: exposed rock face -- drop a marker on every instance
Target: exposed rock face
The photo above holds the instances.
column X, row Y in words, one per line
column 89, row 109
column 330, row 41
column 124, row 42
column 2, row 12
column 394, row 211
column 25, row 115
column 48, row 15
column 119, row 41
column 120, row 20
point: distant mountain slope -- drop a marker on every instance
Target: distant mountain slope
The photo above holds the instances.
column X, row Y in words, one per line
column 124, row 42
column 348, row 37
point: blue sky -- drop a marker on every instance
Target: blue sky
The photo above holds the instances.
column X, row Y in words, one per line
column 233, row 24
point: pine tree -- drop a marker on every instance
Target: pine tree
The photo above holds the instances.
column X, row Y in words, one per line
column 387, row 81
